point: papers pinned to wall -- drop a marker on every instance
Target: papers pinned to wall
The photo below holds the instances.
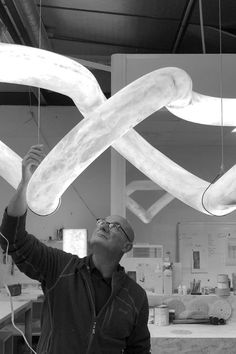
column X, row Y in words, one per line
column 230, row 250
column 206, row 249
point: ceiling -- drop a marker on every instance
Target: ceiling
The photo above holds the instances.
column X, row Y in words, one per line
column 94, row 30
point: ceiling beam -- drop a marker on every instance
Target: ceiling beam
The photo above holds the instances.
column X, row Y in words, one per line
column 19, row 25
column 92, row 65
column 82, row 40
column 8, row 23
column 102, row 12
column 183, row 25
column 32, row 21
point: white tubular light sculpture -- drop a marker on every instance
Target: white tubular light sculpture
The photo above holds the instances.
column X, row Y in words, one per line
column 10, row 165
column 110, row 122
column 146, row 215
column 87, row 140
column 206, row 110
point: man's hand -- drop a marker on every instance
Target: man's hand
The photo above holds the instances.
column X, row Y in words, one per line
column 30, row 162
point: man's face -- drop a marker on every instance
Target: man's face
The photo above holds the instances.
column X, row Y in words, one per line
column 111, row 233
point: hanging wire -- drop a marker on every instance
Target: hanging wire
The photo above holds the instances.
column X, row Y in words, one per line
column 221, row 172
column 39, row 90
column 39, row 112
column 221, row 94
column 202, row 27
column 38, row 124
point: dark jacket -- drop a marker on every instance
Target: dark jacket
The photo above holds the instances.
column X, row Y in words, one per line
column 69, row 323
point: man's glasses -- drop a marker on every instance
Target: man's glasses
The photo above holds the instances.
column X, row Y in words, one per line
column 112, row 225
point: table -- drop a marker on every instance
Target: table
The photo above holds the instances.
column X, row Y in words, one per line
column 21, row 307
column 193, row 338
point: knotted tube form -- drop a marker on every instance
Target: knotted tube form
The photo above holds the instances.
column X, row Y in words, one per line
column 110, row 123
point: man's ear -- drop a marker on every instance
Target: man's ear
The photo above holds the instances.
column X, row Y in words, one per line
column 127, row 247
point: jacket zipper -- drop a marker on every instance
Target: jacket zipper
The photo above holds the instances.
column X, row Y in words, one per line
column 94, row 327
column 91, row 336
column 93, row 331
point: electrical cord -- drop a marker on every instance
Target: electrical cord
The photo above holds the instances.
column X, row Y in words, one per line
column 11, row 302
column 221, row 108
column 203, row 194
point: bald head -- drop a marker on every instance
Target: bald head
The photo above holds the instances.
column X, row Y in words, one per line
column 124, row 224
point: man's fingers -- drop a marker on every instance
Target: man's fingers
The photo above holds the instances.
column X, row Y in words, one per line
column 37, row 147
column 32, row 161
column 35, row 155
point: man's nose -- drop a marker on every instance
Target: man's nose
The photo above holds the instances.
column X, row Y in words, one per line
column 104, row 225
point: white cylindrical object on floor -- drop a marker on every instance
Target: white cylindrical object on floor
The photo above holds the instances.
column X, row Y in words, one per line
column 222, row 285
column 162, row 315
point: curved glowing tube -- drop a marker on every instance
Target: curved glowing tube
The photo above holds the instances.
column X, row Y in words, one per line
column 220, row 198
column 110, row 122
column 145, row 215
column 36, row 67
column 98, row 131
column 10, row 165
column 206, row 110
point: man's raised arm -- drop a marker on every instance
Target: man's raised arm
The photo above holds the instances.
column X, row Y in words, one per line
column 18, row 205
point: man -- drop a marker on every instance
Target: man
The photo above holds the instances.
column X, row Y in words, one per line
column 91, row 305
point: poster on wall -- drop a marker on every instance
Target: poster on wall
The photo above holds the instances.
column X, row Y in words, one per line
column 75, row 241
column 199, row 259
column 230, row 251
column 205, row 250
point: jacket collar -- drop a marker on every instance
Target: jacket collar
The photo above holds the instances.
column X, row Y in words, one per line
column 118, row 276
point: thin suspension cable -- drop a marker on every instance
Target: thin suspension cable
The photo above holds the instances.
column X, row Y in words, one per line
column 202, row 27
column 39, row 104
column 221, row 94
column 39, row 91
column 221, row 114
